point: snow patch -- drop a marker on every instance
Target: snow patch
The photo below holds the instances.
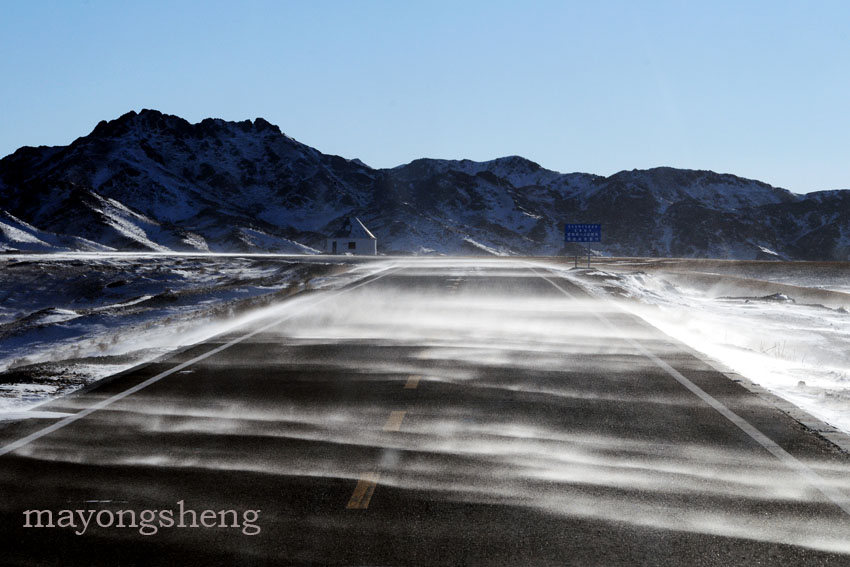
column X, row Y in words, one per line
column 485, row 248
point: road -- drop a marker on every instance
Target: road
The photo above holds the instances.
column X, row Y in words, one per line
column 434, row 413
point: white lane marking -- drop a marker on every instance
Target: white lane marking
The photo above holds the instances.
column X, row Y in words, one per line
column 15, row 445
column 836, row 496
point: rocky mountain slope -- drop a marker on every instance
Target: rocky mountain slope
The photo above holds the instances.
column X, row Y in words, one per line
column 150, row 181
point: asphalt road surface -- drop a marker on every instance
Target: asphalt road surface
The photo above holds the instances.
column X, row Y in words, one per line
column 434, row 413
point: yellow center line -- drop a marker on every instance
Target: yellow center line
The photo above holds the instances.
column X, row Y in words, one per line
column 394, row 421
column 362, row 494
column 363, row 491
column 412, row 382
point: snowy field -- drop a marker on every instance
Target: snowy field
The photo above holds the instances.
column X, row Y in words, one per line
column 68, row 320
column 784, row 326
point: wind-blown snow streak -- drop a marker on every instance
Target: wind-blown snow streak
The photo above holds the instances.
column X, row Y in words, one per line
column 797, row 350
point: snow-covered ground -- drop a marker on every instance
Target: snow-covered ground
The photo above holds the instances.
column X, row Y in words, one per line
column 69, row 319
column 834, row 276
column 791, row 346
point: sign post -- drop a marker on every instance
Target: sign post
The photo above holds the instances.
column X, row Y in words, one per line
column 586, row 233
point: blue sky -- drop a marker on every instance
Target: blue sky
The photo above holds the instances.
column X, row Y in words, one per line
column 759, row 89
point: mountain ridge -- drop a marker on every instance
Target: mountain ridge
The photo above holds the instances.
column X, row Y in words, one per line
column 153, row 181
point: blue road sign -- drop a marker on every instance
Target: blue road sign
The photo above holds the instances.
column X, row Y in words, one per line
column 583, row 233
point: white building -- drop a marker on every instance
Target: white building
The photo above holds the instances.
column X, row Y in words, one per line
column 352, row 238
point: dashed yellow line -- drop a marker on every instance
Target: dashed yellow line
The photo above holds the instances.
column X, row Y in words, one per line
column 367, row 482
column 394, row 421
column 363, row 491
column 412, row 382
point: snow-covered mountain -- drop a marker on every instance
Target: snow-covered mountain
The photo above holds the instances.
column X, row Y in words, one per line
column 150, row 181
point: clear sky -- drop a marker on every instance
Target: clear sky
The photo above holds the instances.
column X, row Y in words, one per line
column 760, row 89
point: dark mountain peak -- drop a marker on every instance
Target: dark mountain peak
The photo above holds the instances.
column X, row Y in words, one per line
column 210, row 126
column 154, row 121
column 517, row 163
column 217, row 126
column 150, row 113
column 114, row 128
column 262, row 125
column 259, row 125
column 27, row 156
column 502, row 165
column 671, row 177
column 829, row 195
column 715, row 191
column 667, row 176
column 422, row 167
column 147, row 121
column 425, row 162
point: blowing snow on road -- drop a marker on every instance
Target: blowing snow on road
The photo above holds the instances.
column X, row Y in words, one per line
column 469, row 411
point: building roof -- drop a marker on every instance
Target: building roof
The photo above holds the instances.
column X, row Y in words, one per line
column 352, row 228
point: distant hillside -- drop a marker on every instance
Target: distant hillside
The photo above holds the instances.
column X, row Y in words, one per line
column 150, row 181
